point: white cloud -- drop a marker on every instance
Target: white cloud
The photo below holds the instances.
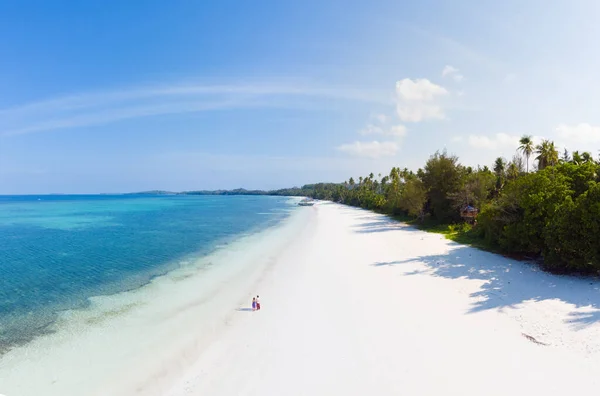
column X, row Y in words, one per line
column 498, row 141
column 396, row 130
column 583, row 133
column 381, row 118
column 448, row 70
column 416, row 100
column 372, row 149
column 420, row 89
column 451, row 71
column 371, row 130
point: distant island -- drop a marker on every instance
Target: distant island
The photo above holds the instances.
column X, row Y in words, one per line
column 307, row 190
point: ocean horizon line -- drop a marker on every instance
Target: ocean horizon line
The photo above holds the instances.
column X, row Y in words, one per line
column 233, row 191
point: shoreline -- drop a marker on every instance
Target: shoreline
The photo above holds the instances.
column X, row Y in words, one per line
column 352, row 303
column 22, row 329
column 117, row 321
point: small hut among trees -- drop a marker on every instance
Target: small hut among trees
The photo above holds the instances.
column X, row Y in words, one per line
column 469, row 213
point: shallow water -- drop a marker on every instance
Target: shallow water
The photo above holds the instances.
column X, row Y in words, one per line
column 57, row 251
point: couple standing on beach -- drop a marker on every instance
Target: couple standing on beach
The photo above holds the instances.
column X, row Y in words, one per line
column 255, row 304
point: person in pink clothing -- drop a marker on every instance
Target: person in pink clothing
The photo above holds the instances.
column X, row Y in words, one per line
column 257, row 304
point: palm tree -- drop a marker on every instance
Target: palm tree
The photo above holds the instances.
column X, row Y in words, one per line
column 384, row 181
column 547, row 154
column 565, row 157
column 527, row 148
column 513, row 171
column 499, row 166
column 500, row 171
column 553, row 159
column 586, row 157
column 395, row 174
column 577, row 160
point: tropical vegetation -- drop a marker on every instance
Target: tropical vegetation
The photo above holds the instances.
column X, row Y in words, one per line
column 551, row 213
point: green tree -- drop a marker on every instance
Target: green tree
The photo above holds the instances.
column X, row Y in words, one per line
column 442, row 178
column 393, row 191
column 565, row 157
column 527, row 148
column 414, row 196
column 547, row 154
column 519, row 164
column 587, row 158
column 579, row 176
column 512, row 171
column 500, row 172
column 526, row 208
column 476, row 188
column 573, row 237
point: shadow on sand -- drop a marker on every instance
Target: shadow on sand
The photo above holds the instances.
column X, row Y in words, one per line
column 244, row 309
column 508, row 283
column 380, row 223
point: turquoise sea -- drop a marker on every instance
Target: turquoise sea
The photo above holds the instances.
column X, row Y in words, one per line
column 57, row 251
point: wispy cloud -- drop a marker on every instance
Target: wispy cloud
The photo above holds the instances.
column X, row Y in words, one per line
column 372, row 149
column 459, row 49
column 395, row 130
column 496, row 142
column 97, row 108
column 111, row 115
column 454, row 73
column 381, row 118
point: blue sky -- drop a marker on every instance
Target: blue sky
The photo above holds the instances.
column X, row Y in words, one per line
column 124, row 96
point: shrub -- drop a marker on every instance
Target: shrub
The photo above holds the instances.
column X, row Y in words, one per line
column 572, row 241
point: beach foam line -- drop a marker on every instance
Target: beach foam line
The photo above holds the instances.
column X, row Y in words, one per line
column 140, row 341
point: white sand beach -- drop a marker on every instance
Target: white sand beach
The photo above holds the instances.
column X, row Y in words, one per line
column 367, row 306
column 352, row 304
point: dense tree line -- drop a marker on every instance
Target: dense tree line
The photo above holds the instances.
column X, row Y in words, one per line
column 538, row 204
column 307, row 190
